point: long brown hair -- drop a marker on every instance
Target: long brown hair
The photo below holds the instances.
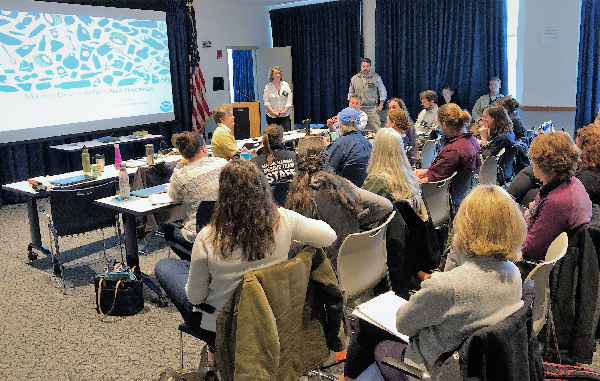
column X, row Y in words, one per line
column 311, row 169
column 245, row 214
column 272, row 136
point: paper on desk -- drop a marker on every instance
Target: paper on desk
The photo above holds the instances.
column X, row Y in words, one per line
column 160, row 198
column 381, row 312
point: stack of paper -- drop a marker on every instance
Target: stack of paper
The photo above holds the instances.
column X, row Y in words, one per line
column 381, row 312
column 160, row 198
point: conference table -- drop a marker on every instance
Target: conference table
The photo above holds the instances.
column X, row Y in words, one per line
column 25, row 188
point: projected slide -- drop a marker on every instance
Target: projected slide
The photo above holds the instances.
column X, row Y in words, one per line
column 60, row 69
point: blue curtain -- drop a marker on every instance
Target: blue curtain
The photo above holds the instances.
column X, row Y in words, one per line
column 326, row 41
column 243, row 75
column 588, row 77
column 20, row 161
column 427, row 44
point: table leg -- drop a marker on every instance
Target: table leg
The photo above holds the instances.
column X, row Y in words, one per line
column 131, row 247
column 34, row 229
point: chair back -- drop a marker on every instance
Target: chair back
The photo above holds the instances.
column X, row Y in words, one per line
column 356, row 173
column 460, row 186
column 362, row 260
column 488, row 173
column 428, row 153
column 505, row 164
column 437, row 199
column 541, row 278
column 74, row 212
column 280, row 192
column 204, row 213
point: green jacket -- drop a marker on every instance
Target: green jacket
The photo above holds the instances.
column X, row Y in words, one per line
column 281, row 321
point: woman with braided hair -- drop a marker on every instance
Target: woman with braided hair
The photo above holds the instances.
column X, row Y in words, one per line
column 317, row 193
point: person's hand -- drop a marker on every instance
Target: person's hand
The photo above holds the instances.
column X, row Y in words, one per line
column 330, row 122
column 484, row 132
column 421, row 172
column 380, row 107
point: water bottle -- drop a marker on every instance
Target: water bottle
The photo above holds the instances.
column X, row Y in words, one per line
column 117, row 156
column 150, row 154
column 123, row 182
column 245, row 154
column 85, row 161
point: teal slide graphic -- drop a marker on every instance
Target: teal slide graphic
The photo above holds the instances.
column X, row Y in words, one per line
column 54, row 51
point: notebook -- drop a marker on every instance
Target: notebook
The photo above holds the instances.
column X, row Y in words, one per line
column 381, row 312
column 145, row 192
column 71, row 180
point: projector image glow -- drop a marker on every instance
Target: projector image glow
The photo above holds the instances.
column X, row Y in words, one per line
column 65, row 69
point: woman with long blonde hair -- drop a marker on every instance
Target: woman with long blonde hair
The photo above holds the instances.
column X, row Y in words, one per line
column 390, row 174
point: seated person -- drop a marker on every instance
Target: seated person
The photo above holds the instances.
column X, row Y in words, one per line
column 427, row 120
column 448, row 96
column 277, row 163
column 355, row 102
column 317, row 193
column 511, row 106
column 399, row 120
column 485, row 100
column 461, row 151
column 588, row 140
column 351, row 148
column 524, row 187
column 223, row 142
column 389, row 173
column 479, row 287
column 495, row 131
column 195, row 178
column 563, row 203
column 233, row 244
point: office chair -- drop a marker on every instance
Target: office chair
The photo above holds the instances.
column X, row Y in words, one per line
column 73, row 212
column 177, row 243
column 362, row 263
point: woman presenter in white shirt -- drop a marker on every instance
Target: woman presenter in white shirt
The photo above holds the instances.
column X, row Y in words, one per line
column 278, row 99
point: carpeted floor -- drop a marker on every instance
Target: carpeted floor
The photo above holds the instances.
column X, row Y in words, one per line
column 47, row 335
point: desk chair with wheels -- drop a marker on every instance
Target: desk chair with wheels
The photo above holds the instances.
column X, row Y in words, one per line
column 72, row 211
column 540, row 275
column 176, row 242
column 437, row 199
column 362, row 263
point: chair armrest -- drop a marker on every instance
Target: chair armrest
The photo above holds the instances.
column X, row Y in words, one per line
column 408, row 369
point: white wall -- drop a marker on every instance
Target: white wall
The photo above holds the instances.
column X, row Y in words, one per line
column 227, row 23
column 549, row 71
column 369, row 31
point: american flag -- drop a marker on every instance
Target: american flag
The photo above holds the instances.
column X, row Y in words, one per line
column 200, row 110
